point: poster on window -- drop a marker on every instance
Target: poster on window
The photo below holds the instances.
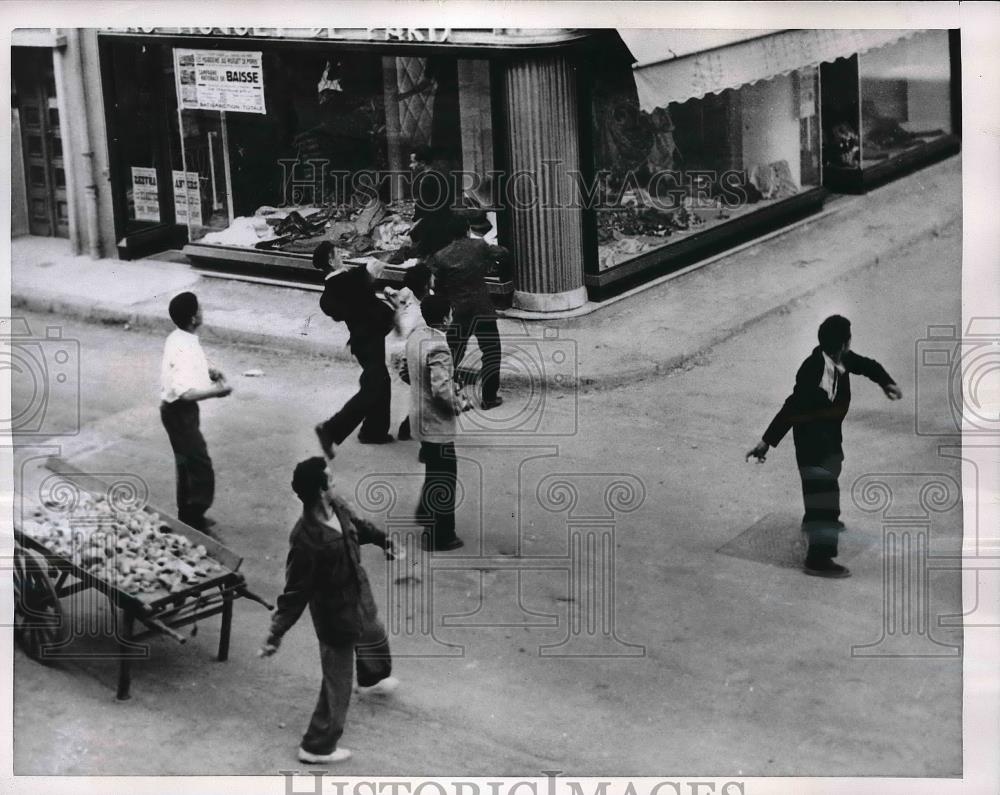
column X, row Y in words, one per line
column 187, row 203
column 145, row 194
column 807, row 92
column 219, row 80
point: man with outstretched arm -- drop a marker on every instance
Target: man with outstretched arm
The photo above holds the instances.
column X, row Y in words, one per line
column 324, row 571
column 815, row 412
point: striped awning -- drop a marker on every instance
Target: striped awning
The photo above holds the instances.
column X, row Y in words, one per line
column 678, row 65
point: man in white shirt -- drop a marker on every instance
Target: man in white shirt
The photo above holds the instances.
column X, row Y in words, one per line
column 187, row 378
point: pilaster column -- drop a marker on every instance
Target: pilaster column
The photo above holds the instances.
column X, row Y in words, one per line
column 540, row 97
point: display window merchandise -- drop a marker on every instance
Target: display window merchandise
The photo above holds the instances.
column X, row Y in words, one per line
column 693, row 165
column 599, row 158
column 905, row 96
column 886, row 107
column 277, row 149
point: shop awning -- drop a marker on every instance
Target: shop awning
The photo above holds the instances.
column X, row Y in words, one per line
column 678, row 65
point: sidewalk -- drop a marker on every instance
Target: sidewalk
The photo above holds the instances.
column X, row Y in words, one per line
column 653, row 330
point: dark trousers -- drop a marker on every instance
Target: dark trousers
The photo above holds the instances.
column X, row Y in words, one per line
column 821, row 521
column 370, row 406
column 436, row 508
column 488, row 339
column 195, row 477
column 370, row 654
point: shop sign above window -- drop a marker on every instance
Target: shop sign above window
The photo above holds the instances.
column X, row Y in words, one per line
column 501, row 38
column 219, row 80
column 434, row 35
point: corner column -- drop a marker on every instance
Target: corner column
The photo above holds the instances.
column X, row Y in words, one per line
column 540, row 97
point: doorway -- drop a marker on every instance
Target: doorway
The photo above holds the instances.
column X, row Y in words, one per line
column 41, row 141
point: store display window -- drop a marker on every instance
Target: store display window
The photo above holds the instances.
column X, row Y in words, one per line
column 887, row 102
column 143, row 134
column 252, row 146
column 322, row 152
column 905, row 95
column 685, row 168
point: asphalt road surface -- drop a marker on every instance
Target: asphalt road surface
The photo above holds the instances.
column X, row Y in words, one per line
column 586, row 627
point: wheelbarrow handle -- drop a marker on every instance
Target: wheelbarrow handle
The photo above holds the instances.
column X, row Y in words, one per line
column 159, row 626
column 242, row 590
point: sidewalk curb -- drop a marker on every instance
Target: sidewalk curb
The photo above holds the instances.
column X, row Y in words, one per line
column 147, row 320
column 677, row 362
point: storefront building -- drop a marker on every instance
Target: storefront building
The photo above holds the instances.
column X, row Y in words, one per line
column 601, row 158
column 740, row 132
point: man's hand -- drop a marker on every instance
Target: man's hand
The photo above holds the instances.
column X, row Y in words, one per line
column 392, row 552
column 464, row 403
column 267, row 650
column 759, row 452
column 892, row 391
column 222, row 389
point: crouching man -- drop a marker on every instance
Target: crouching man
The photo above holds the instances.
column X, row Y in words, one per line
column 324, row 571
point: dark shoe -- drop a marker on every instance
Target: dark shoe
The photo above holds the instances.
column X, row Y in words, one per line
column 404, row 434
column 492, row 404
column 455, row 543
column 325, row 442
column 207, row 523
column 826, row 568
column 197, row 521
column 385, row 439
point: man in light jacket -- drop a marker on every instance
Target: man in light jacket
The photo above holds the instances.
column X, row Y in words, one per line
column 434, row 403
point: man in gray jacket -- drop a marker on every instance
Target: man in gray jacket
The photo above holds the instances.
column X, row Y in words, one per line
column 434, row 403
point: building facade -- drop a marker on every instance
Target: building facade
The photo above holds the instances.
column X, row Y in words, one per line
column 602, row 158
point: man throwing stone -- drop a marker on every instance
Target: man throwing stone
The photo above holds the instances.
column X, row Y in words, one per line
column 815, row 412
column 324, row 571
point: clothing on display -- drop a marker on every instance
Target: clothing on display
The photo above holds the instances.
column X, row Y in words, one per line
column 674, row 171
column 774, row 181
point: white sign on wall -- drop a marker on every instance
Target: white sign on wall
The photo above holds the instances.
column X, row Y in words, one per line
column 219, row 80
column 145, row 194
column 187, row 203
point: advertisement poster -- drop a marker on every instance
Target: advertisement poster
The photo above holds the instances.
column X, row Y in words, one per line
column 219, row 80
column 187, row 204
column 145, row 194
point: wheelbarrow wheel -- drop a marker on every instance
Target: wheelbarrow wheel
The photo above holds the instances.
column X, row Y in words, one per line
column 38, row 618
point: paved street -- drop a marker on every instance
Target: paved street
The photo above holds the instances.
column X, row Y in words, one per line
column 722, row 664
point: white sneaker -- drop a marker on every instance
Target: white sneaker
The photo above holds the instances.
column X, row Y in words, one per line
column 384, row 687
column 338, row 755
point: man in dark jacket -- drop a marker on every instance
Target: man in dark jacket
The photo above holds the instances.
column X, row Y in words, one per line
column 433, row 199
column 324, row 571
column 460, row 270
column 815, row 412
column 349, row 296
